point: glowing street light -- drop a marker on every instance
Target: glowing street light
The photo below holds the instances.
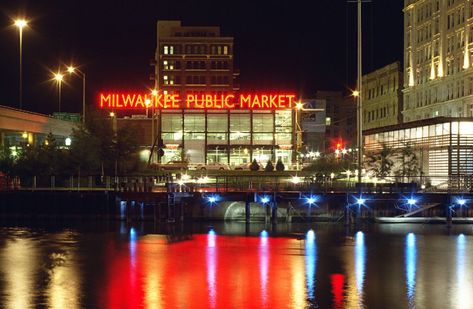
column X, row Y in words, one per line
column 58, row 77
column 112, row 114
column 265, row 200
column 356, row 93
column 296, row 180
column 20, row 24
column 74, row 70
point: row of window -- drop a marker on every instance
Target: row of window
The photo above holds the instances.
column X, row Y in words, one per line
column 197, row 49
column 388, row 86
column 378, row 114
column 196, row 80
column 280, row 122
column 195, row 65
column 223, row 137
column 452, row 90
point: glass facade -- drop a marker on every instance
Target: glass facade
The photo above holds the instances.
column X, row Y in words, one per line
column 231, row 137
column 444, row 147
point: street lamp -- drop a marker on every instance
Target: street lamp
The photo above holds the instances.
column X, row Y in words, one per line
column 20, row 24
column 71, row 69
column 58, row 77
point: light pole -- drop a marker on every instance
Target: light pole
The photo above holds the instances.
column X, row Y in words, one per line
column 359, row 95
column 58, row 77
column 20, row 24
column 71, row 69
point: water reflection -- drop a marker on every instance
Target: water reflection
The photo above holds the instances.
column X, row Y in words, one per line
column 410, row 263
column 211, row 260
column 130, row 269
column 19, row 258
column 263, row 265
column 356, row 273
column 464, row 284
column 310, row 265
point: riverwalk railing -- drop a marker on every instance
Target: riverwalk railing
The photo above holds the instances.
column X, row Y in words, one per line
column 234, row 183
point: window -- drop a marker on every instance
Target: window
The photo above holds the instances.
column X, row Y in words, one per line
column 166, row 49
column 328, row 121
column 217, row 122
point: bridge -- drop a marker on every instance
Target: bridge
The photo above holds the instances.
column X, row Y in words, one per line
column 20, row 127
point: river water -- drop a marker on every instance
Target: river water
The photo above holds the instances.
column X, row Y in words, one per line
column 105, row 265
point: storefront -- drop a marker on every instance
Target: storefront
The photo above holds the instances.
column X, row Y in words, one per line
column 235, row 132
column 443, row 146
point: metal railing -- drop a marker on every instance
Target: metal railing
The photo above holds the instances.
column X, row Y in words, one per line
column 235, row 183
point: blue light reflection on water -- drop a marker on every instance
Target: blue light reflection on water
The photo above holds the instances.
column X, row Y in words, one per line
column 360, row 261
column 211, row 260
column 310, row 264
column 264, row 264
column 410, row 264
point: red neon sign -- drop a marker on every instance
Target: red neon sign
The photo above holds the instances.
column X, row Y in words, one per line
column 196, row 101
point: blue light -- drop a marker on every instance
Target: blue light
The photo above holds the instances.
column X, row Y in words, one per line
column 311, row 200
column 411, row 265
column 310, row 264
column 213, row 199
column 132, row 234
column 211, row 236
column 411, row 201
column 310, row 236
column 360, row 261
column 265, row 200
column 461, row 202
column 264, row 233
column 360, row 201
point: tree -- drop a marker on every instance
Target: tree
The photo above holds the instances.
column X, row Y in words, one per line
column 269, row 166
column 280, row 166
column 382, row 162
column 254, row 165
column 409, row 164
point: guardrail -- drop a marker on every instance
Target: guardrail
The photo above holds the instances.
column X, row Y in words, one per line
column 233, row 183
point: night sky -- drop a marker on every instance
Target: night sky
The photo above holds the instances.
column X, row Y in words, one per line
column 300, row 46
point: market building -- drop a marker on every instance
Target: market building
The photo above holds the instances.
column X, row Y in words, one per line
column 196, row 111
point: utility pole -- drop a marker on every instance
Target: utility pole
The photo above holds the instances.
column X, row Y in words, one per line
column 359, row 111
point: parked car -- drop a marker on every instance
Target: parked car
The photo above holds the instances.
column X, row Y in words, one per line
column 246, row 167
column 174, row 165
column 214, row 166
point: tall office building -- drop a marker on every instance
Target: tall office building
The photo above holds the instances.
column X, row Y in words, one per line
column 438, row 78
column 193, row 59
column 382, row 97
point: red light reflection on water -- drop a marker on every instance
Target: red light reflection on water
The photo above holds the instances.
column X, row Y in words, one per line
column 338, row 282
column 208, row 271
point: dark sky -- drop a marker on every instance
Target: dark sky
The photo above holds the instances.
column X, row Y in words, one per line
column 301, row 46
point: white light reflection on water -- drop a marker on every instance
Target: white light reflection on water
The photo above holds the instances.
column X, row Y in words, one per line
column 410, row 264
column 356, row 273
column 18, row 266
column 264, row 265
column 310, row 264
column 211, row 260
column 464, row 284
column 360, row 261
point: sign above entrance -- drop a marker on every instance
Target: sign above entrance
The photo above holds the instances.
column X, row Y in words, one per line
column 256, row 101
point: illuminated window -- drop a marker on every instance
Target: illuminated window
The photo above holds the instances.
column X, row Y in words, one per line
column 171, row 50
column 166, row 49
column 219, row 50
column 225, row 50
column 328, row 121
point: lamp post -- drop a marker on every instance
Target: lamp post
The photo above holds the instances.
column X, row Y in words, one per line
column 58, row 77
column 20, row 24
column 71, row 69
